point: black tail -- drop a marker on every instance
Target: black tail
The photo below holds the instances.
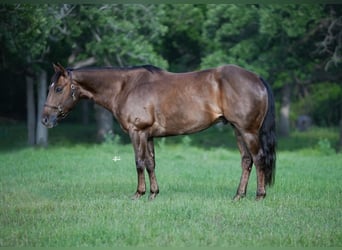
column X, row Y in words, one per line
column 267, row 137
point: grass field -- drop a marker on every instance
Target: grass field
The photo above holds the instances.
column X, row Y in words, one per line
column 74, row 194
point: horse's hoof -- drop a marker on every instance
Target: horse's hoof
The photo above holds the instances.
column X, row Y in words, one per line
column 152, row 196
column 136, row 196
column 238, row 197
column 260, row 197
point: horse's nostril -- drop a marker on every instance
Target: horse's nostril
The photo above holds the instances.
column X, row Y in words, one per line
column 45, row 120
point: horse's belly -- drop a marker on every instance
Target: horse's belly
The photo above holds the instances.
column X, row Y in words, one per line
column 184, row 121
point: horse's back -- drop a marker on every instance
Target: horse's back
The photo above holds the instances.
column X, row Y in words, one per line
column 235, row 73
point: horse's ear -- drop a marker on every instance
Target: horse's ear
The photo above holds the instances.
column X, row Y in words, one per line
column 55, row 67
column 59, row 68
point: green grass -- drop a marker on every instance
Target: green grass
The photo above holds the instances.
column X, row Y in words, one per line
column 74, row 194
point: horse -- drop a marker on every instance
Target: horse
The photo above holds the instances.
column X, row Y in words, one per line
column 150, row 102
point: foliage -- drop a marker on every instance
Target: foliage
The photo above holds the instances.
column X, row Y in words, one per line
column 118, row 33
column 324, row 146
column 322, row 101
column 226, row 27
column 264, row 38
column 25, row 44
column 181, row 45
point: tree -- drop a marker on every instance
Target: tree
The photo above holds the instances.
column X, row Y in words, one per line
column 113, row 34
column 181, row 46
column 25, row 31
column 330, row 48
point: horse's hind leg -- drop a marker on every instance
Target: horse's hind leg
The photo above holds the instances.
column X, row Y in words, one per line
column 252, row 143
column 246, row 165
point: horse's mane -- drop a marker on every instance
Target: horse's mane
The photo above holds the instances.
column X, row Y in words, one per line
column 147, row 67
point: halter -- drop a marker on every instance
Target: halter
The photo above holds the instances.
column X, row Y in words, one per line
column 60, row 107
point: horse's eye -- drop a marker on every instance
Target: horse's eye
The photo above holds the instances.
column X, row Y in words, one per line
column 58, row 89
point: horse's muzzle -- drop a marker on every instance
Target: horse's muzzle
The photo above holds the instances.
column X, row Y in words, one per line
column 49, row 121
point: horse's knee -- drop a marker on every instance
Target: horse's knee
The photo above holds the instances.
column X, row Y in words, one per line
column 247, row 162
column 150, row 164
column 259, row 160
column 140, row 165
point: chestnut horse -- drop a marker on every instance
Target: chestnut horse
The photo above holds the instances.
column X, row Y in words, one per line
column 149, row 102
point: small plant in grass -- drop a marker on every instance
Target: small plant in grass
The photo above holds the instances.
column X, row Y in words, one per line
column 161, row 143
column 324, row 146
column 110, row 138
column 186, row 141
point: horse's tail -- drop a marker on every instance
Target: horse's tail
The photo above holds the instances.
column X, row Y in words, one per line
column 267, row 137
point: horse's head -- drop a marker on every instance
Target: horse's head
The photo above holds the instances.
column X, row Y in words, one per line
column 62, row 97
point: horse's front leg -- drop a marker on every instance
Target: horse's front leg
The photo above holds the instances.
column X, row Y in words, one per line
column 150, row 165
column 141, row 187
column 144, row 158
column 140, row 147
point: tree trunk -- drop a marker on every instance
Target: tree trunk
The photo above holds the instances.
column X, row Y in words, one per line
column 340, row 142
column 284, row 124
column 31, row 114
column 85, row 112
column 42, row 131
column 104, row 122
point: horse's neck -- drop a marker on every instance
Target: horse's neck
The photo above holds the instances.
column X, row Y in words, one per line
column 101, row 86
